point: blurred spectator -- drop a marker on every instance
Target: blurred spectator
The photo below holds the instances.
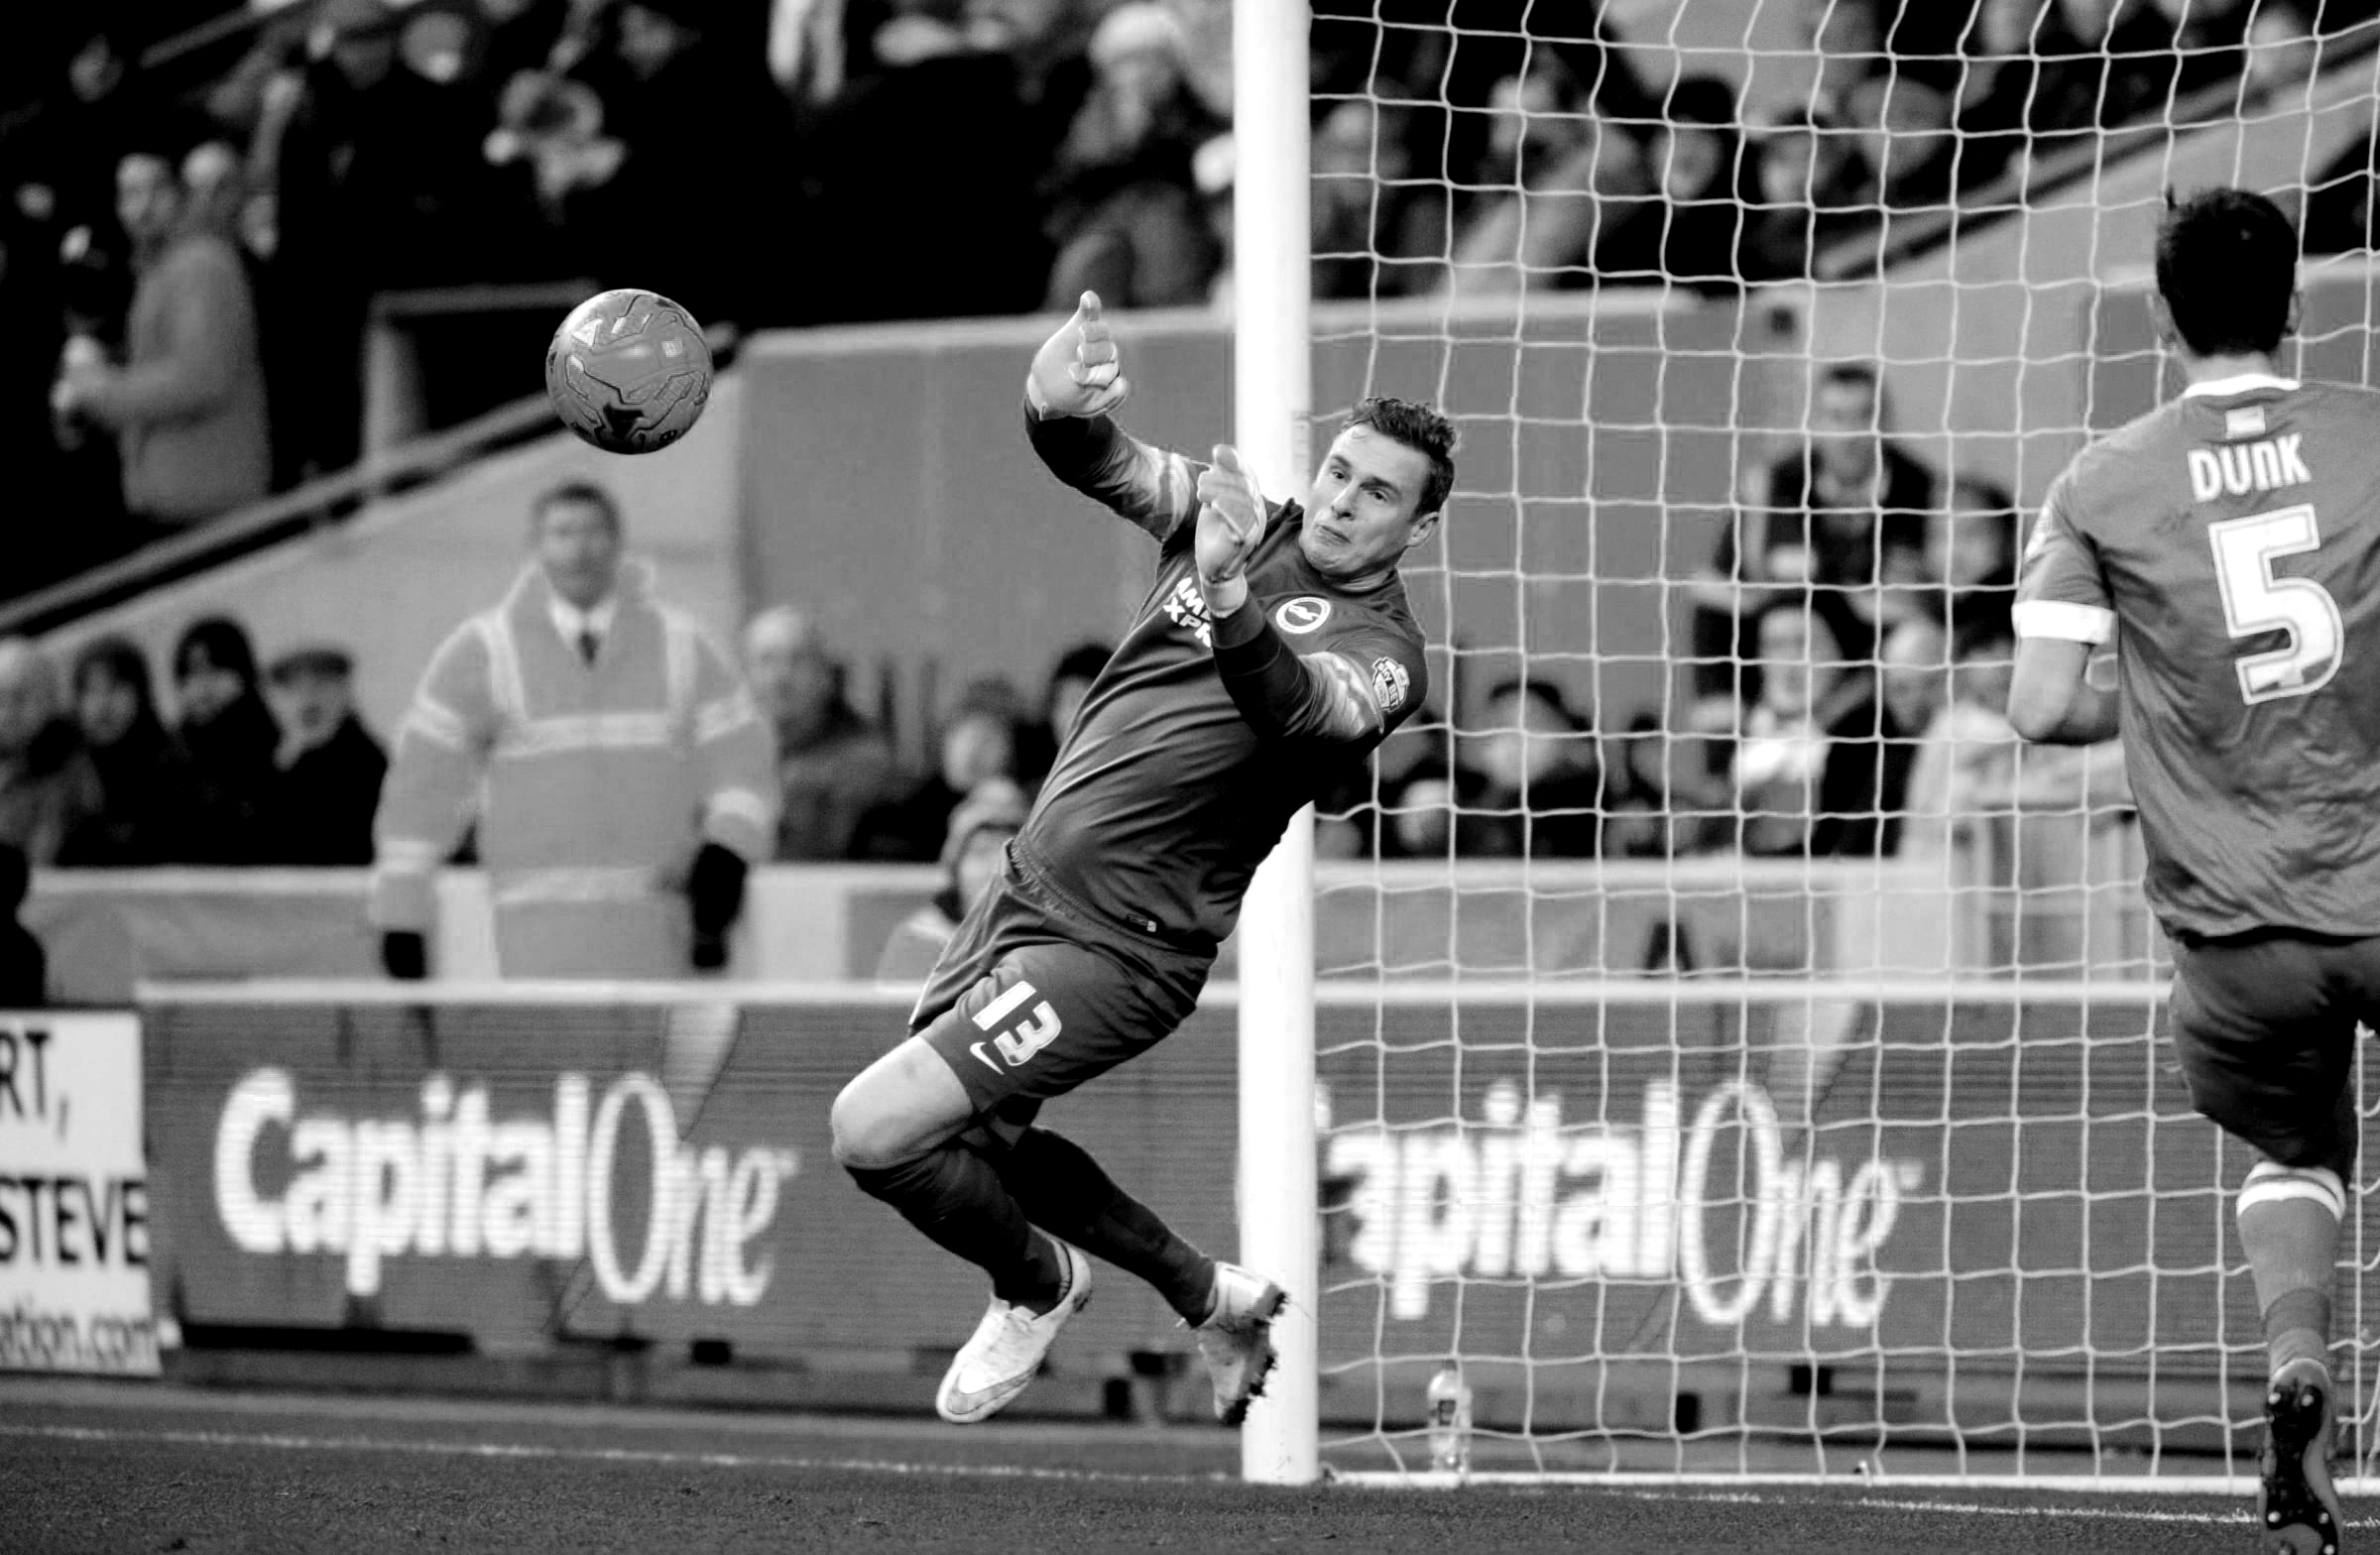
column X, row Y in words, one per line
column 219, row 192
column 1971, row 555
column 2283, row 51
column 1124, row 208
column 1689, row 225
column 57, row 159
column 1804, row 173
column 1780, row 763
column 1657, row 805
column 1966, row 757
column 1902, row 142
column 115, row 706
column 1873, row 745
column 1377, row 230
column 1548, row 171
column 618, row 766
column 1038, row 742
column 187, row 408
column 222, row 771
column 978, row 843
column 978, row 746
column 331, row 768
column 832, row 765
column 24, row 964
column 1530, row 784
column 1842, row 519
column 48, row 788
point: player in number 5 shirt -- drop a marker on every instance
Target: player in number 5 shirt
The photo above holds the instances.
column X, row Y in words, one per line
column 1275, row 647
column 2228, row 545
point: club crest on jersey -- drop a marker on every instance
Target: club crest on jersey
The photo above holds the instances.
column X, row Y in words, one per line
column 1390, row 683
column 1301, row 615
column 1187, row 608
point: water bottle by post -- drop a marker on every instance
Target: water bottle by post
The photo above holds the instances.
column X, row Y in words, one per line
column 1449, row 1420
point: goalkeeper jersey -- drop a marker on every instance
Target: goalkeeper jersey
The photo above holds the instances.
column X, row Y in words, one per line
column 2228, row 543
column 1199, row 739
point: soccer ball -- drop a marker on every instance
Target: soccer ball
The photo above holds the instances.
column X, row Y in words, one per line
column 629, row 371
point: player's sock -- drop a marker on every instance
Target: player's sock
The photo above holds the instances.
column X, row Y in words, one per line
column 2289, row 1224
column 957, row 1199
column 1068, row 1194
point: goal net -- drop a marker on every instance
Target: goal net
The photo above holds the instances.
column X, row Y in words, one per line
column 1734, row 1052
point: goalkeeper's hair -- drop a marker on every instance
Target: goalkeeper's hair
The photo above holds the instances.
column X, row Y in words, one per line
column 2227, row 267
column 1421, row 429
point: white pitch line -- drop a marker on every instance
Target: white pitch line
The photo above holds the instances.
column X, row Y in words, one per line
column 662, row 1458
column 657, row 1457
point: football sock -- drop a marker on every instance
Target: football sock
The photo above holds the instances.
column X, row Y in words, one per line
column 956, row 1198
column 1068, row 1194
column 2289, row 1225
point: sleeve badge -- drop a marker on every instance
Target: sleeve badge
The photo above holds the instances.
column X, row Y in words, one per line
column 1390, row 683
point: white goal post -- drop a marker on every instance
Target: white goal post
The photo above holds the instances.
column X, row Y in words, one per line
column 1709, row 1167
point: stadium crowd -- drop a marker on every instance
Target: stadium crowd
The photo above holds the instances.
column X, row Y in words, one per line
column 179, row 249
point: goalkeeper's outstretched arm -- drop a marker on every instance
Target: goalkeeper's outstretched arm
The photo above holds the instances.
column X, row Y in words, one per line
column 1074, row 380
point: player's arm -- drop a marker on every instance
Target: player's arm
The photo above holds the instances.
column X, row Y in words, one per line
column 2064, row 616
column 1282, row 693
column 1074, row 380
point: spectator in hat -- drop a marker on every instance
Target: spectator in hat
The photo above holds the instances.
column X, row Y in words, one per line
column 331, row 767
column 980, row 829
column 832, row 765
column 115, row 706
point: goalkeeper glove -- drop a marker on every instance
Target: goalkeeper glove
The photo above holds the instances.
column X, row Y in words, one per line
column 1077, row 371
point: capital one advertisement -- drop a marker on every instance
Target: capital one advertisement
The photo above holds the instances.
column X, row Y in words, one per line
column 1578, row 1185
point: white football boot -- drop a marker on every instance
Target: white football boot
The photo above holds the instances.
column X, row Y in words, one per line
column 1008, row 1349
column 1236, row 1340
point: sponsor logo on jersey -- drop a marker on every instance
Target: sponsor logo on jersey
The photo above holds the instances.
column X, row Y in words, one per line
column 1303, row 615
column 2265, row 465
column 1186, row 606
column 1390, row 683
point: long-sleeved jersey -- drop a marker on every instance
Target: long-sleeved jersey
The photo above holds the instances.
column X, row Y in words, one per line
column 1200, row 739
column 2230, row 542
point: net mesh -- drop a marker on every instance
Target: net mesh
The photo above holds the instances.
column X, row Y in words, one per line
column 1736, row 1051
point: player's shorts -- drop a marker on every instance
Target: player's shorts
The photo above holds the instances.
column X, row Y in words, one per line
column 2264, row 1025
column 1034, row 995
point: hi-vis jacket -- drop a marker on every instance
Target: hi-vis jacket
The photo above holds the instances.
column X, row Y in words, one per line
column 594, row 784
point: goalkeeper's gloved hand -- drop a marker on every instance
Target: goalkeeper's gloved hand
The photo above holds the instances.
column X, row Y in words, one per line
column 1231, row 525
column 1077, row 371
column 716, row 892
column 405, row 954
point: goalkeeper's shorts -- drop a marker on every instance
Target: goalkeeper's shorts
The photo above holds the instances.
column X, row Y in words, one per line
column 1033, row 996
column 2264, row 1025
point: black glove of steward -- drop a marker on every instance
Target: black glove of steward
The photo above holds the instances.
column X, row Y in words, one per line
column 716, row 892
column 405, row 954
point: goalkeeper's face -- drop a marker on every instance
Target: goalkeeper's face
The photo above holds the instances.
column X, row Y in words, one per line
column 1363, row 512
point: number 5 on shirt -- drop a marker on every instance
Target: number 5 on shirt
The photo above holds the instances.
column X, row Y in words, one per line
column 2255, row 602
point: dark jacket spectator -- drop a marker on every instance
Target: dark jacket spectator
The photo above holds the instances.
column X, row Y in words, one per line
column 48, row 788
column 321, row 813
column 1038, row 742
column 1839, row 521
column 24, row 964
column 188, row 408
column 1527, row 784
column 978, row 747
column 116, row 707
column 222, row 762
column 1376, row 229
column 832, row 765
column 1688, row 228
